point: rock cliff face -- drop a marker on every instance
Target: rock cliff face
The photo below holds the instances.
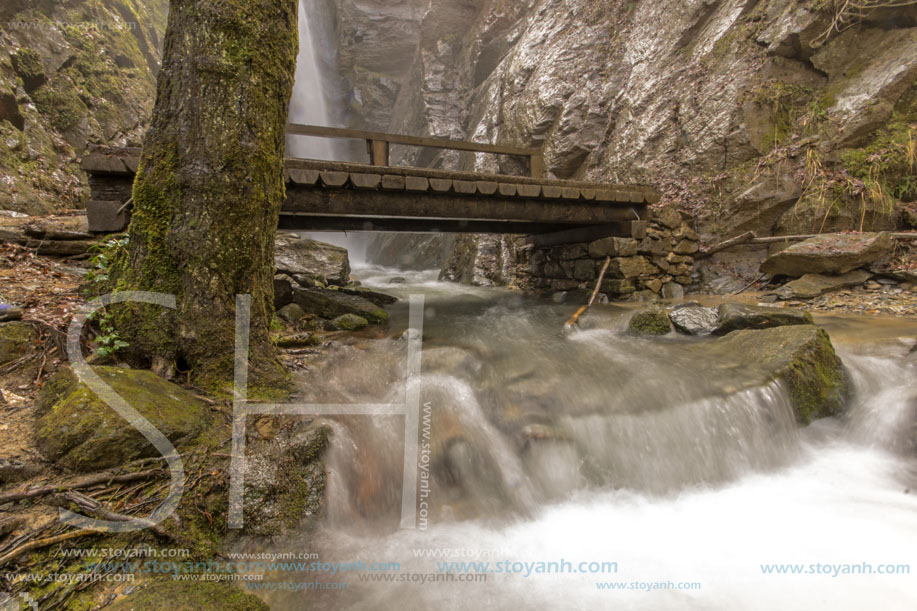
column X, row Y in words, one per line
column 72, row 73
column 748, row 114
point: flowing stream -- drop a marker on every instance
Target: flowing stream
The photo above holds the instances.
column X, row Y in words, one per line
column 683, row 473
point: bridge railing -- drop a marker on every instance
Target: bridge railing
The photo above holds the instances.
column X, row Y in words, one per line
column 378, row 144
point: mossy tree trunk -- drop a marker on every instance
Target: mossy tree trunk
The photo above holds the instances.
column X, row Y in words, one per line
column 209, row 188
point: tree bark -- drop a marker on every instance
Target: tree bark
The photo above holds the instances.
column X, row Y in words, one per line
column 209, row 187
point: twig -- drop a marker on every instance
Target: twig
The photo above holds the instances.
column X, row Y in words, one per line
column 750, row 284
column 104, row 478
column 124, row 207
column 575, row 318
column 93, row 506
column 40, row 543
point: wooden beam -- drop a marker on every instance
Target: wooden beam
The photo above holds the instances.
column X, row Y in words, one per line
column 312, row 222
column 440, row 143
column 384, row 203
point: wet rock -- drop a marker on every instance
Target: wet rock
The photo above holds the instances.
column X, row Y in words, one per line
column 283, row 290
column 450, row 360
column 834, row 253
column 331, row 304
column 651, row 321
column 801, row 357
column 349, row 322
column 613, row 247
column 291, row 313
column 693, row 318
column 81, row 432
column 15, row 339
column 813, row 285
column 398, row 280
column 380, row 299
column 311, row 261
column 733, row 316
column 673, row 290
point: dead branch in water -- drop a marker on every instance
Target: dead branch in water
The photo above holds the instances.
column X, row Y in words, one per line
column 575, row 318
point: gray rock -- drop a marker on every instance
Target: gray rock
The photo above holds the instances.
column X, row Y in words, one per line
column 291, row 313
column 693, row 318
column 331, row 304
column 835, row 253
column 733, row 317
column 673, row 290
column 380, row 299
column 310, row 261
column 398, row 280
column 813, row 285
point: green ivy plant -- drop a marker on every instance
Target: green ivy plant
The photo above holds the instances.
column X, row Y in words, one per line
column 108, row 341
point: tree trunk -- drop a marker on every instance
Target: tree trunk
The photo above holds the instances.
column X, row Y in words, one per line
column 209, row 188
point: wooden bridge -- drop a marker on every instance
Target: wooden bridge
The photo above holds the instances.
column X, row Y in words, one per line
column 333, row 196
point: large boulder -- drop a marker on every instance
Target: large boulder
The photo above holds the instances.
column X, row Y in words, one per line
column 734, row 316
column 833, row 253
column 801, row 357
column 813, row 285
column 332, row 304
column 79, row 431
column 311, row 262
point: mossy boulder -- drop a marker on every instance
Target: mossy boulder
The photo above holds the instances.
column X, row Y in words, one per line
column 734, row 317
column 79, row 431
column 651, row 321
column 190, row 596
column 15, row 339
column 311, row 261
column 349, row 322
column 802, row 358
column 331, row 304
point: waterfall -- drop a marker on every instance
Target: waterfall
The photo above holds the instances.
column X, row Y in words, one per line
column 308, row 105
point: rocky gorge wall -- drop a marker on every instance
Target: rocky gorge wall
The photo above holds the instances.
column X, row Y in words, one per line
column 747, row 114
column 72, row 73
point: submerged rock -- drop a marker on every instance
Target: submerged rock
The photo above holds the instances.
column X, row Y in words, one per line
column 802, row 358
column 693, row 318
column 651, row 321
column 734, row 316
column 76, row 429
column 813, row 285
column 833, row 253
column 311, row 261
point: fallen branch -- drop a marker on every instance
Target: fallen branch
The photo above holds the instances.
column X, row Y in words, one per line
column 40, row 543
column 575, row 318
column 94, row 507
column 745, row 238
column 104, row 478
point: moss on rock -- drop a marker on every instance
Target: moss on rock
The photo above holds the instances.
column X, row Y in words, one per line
column 190, row 596
column 82, row 433
column 801, row 357
column 15, row 339
column 651, row 321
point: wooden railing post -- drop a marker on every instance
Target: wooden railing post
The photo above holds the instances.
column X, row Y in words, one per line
column 536, row 161
column 378, row 152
